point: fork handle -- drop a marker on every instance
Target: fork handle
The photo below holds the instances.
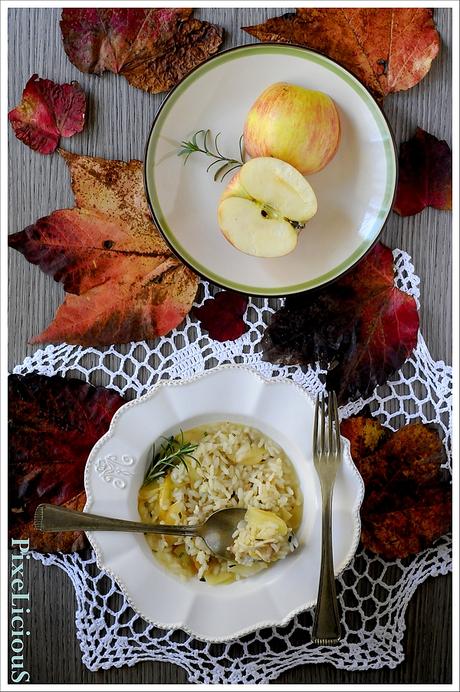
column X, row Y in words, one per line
column 326, row 627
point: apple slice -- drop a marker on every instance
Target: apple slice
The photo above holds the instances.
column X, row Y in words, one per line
column 264, row 207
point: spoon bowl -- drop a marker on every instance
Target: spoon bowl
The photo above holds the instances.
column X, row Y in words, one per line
column 218, row 529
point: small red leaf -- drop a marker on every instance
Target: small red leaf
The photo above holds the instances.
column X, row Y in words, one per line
column 47, row 112
column 53, row 423
column 425, row 175
column 222, row 316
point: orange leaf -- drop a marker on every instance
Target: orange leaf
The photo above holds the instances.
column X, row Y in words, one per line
column 387, row 49
column 123, row 282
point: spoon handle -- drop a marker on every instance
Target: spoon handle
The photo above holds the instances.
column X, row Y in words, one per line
column 55, row 518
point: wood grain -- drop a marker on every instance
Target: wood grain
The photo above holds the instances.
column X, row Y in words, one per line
column 119, row 118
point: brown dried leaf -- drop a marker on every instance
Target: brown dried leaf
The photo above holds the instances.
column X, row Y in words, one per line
column 153, row 48
column 406, row 506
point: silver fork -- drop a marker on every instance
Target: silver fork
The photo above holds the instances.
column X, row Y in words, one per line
column 327, row 455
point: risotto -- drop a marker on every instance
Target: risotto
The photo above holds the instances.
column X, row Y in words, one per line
column 232, row 466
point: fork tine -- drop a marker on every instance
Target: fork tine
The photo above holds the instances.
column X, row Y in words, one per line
column 330, row 430
column 315, row 426
column 337, row 424
column 323, row 425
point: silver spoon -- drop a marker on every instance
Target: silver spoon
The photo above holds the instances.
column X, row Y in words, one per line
column 217, row 531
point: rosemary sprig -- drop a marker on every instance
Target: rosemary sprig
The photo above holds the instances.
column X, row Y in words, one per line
column 199, row 143
column 172, row 451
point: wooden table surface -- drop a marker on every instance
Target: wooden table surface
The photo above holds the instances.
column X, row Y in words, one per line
column 118, row 122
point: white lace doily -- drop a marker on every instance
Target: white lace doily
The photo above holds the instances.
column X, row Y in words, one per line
column 112, row 634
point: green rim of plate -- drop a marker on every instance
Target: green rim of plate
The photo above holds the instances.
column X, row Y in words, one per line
column 267, row 49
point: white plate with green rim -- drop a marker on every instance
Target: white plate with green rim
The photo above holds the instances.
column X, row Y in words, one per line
column 355, row 190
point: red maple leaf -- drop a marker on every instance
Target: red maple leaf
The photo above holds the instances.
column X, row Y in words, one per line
column 53, row 423
column 122, row 281
column 360, row 327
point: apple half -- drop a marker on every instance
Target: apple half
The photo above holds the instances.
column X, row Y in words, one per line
column 264, row 207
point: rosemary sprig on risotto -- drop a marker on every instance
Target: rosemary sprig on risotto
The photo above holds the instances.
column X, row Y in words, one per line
column 173, row 451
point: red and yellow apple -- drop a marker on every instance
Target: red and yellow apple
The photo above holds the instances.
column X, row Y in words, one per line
column 264, row 207
column 297, row 125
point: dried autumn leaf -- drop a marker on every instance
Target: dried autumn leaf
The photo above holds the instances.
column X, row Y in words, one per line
column 402, row 532
column 387, row 49
column 425, row 175
column 361, row 327
column 406, row 506
column 365, row 435
column 123, row 282
column 222, row 316
column 153, row 48
column 53, row 423
column 47, row 112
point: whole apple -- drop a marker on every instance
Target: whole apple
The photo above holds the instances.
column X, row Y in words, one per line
column 297, row 125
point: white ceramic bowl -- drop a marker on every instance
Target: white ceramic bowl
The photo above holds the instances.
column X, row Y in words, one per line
column 115, row 471
column 355, row 190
